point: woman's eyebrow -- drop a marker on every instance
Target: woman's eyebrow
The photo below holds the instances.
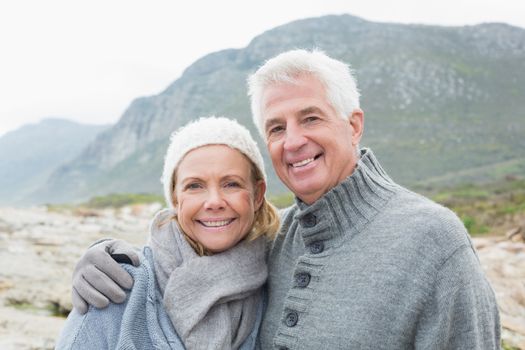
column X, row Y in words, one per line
column 233, row 176
column 190, row 178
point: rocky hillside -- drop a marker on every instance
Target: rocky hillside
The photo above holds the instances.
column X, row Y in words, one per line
column 442, row 104
column 31, row 153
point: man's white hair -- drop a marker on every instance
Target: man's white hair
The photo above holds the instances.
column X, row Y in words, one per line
column 336, row 76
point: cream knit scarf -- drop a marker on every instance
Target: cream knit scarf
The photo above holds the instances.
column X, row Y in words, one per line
column 212, row 300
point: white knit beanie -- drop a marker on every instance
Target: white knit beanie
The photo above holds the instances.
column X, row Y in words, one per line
column 207, row 131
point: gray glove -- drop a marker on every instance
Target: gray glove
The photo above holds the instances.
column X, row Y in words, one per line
column 98, row 278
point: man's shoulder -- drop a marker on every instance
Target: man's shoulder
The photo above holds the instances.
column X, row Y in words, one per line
column 427, row 220
column 419, row 206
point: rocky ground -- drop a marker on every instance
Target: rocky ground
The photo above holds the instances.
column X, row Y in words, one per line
column 504, row 263
column 39, row 248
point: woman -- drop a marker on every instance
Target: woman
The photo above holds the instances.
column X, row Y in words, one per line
column 200, row 280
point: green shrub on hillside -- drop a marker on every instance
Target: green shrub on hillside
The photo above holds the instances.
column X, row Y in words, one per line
column 282, row 200
column 118, row 200
column 493, row 207
column 472, row 226
column 506, row 346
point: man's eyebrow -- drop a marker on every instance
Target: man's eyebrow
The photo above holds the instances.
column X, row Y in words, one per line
column 305, row 111
column 271, row 122
column 310, row 110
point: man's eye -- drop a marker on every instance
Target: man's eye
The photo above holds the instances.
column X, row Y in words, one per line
column 311, row 119
column 275, row 130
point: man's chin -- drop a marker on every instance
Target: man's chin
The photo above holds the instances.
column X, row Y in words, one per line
column 307, row 191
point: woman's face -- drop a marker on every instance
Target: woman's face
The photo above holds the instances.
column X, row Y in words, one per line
column 215, row 196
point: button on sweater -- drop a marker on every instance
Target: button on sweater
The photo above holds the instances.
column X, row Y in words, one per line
column 388, row 269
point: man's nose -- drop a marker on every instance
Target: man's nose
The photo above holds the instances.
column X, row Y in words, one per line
column 294, row 138
column 215, row 200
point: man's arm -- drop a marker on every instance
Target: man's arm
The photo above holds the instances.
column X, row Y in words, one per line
column 98, row 278
column 462, row 312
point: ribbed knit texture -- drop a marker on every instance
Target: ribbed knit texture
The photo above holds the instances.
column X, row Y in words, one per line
column 371, row 265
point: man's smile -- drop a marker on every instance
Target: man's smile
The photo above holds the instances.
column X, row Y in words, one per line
column 304, row 162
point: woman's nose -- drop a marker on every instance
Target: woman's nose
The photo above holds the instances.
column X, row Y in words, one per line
column 215, row 200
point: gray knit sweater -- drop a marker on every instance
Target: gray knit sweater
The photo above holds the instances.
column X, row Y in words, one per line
column 371, row 265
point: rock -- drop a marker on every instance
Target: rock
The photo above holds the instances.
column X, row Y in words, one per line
column 5, row 285
column 504, row 263
column 516, row 234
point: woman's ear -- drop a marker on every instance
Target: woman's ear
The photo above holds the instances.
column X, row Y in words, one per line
column 260, row 190
column 173, row 190
column 174, row 202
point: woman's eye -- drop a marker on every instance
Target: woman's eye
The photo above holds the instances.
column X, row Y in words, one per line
column 233, row 184
column 193, row 186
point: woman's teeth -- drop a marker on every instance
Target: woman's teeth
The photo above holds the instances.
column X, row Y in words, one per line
column 216, row 223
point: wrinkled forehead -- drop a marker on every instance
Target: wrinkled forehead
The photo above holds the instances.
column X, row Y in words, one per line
column 282, row 98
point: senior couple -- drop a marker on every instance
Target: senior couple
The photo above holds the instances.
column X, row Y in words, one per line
column 358, row 262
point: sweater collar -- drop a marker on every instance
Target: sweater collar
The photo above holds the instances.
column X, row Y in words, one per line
column 348, row 207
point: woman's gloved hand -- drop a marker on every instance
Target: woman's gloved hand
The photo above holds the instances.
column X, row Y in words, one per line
column 98, row 278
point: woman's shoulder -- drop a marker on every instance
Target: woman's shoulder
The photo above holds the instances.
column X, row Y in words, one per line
column 104, row 328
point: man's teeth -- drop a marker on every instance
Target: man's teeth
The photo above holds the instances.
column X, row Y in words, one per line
column 216, row 223
column 303, row 162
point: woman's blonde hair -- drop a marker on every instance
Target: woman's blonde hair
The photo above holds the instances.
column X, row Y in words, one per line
column 266, row 221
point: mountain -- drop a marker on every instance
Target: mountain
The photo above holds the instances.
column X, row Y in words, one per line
column 439, row 102
column 31, row 153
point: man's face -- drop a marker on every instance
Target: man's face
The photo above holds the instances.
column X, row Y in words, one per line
column 312, row 148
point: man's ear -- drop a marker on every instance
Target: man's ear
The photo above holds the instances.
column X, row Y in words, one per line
column 357, row 122
column 260, row 190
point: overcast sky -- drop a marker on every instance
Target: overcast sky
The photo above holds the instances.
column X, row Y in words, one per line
column 86, row 60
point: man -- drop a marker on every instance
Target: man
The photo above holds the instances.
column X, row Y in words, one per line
column 360, row 262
